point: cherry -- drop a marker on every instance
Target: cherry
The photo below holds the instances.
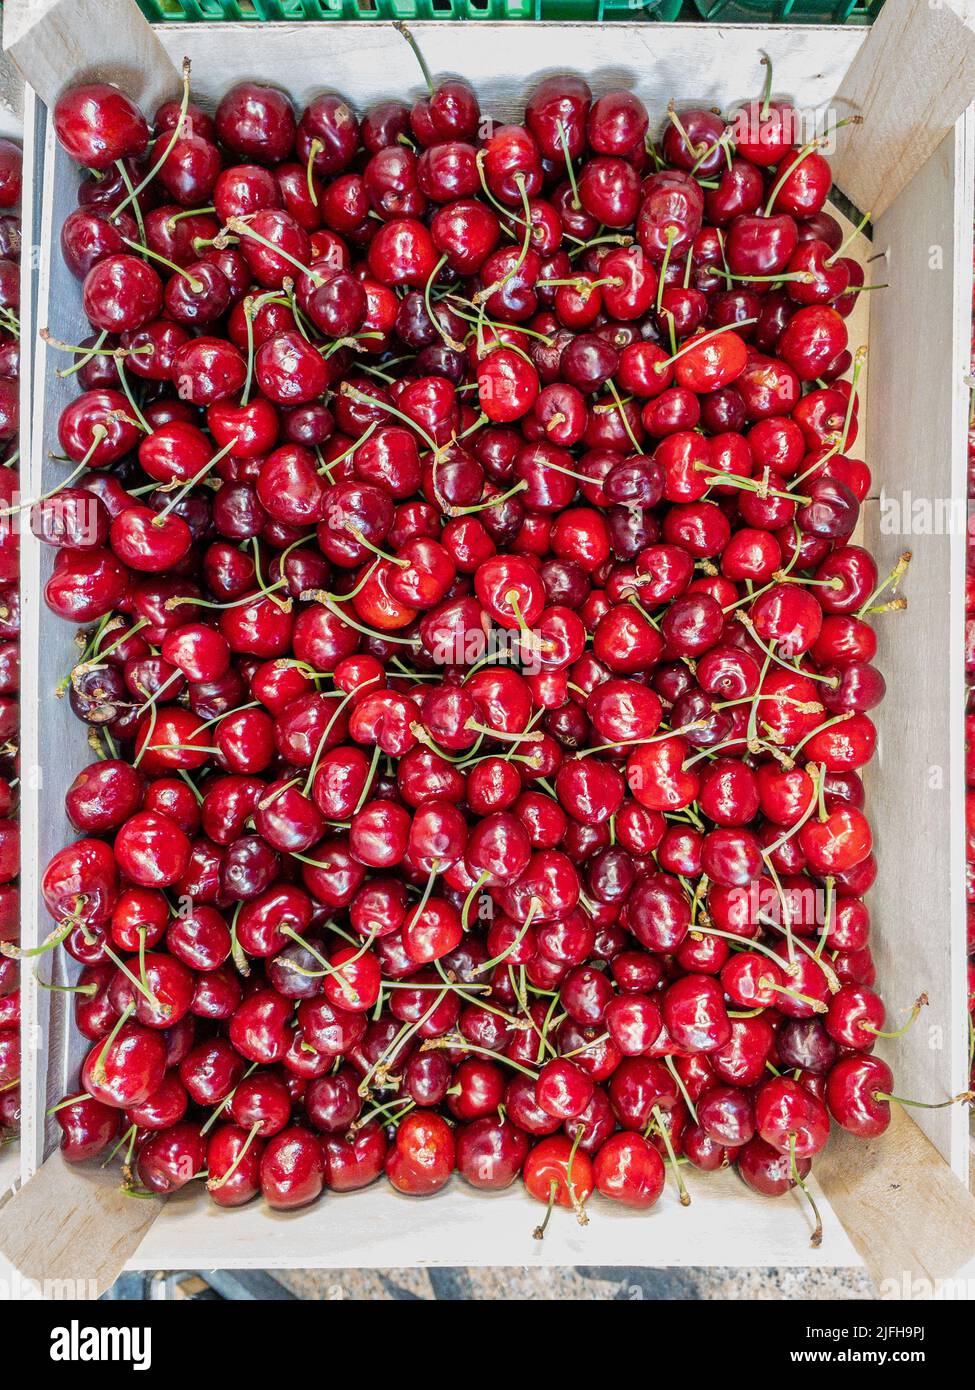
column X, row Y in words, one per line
column 789, row 1118
column 233, row 1163
column 127, row 1067
column 422, row 1156
column 559, row 1175
column 97, row 124
column 629, row 1169
column 490, row 1152
column 768, row 1171
column 256, row 122
column 172, row 1158
column 87, row 1127
column 292, row 1171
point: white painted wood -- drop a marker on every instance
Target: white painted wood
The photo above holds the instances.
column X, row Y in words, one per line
column 717, row 65
column 9, row 1172
column 377, row 1228
column 917, row 420
column 31, row 1045
column 55, row 43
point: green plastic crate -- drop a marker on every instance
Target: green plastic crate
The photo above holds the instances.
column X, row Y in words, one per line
column 790, row 11
column 161, row 11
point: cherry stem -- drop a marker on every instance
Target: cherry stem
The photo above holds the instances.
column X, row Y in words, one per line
column 767, row 88
column 860, row 356
column 314, row 150
column 370, row 776
column 59, row 487
column 131, row 198
column 458, row 1040
column 54, row 938
column 671, row 1067
column 850, row 238
column 828, row 724
column 701, row 339
column 195, row 285
column 816, row 1239
column 98, row 1070
column 482, row 879
column 662, row 1130
column 214, row 1183
column 746, row 621
column 817, row 1005
column 88, row 990
column 364, row 540
column 187, row 487
column 678, row 124
column 622, row 414
column 892, row 581
column 401, row 27
column 427, row 290
column 963, row 1098
column 133, row 193
column 327, row 468
column 484, row 294
column 916, row 1008
column 328, row 601
column 240, row 227
column 779, row 184
column 515, row 943
column 817, row 774
column 540, row 1229
column 571, row 173
column 578, row 1206
column 363, row 399
column 804, row 277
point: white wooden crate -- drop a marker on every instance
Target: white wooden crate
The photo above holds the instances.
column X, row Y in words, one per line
column 913, row 73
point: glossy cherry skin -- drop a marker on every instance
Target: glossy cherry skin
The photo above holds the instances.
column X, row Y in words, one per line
column 547, row 1175
column 490, row 1152
column 292, row 1169
column 768, row 1170
column 87, row 1127
column 423, row 1155
column 171, row 1158
column 629, row 1169
column 786, row 1115
column 152, row 850
column 97, row 124
column 857, row 1092
column 233, row 1171
column 256, row 122
column 563, row 1090
column 127, row 1070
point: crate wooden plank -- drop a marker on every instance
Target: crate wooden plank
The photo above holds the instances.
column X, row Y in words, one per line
column 56, row 43
column 726, row 1224
column 717, row 65
column 908, row 1215
column 906, row 113
column 917, row 416
column 71, row 1229
column 366, row 62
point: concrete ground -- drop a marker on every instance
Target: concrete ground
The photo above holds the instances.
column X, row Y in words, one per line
column 583, row 1284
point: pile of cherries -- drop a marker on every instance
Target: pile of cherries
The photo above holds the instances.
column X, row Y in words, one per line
column 11, row 161
column 477, row 662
